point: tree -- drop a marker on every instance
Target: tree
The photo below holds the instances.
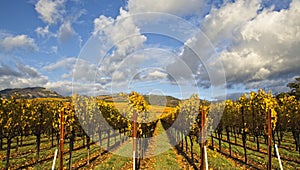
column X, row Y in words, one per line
column 228, row 118
column 189, row 111
column 290, row 109
column 39, row 121
column 71, row 124
column 214, row 119
column 86, row 109
column 295, row 88
column 10, row 122
column 138, row 109
column 244, row 107
column 284, row 112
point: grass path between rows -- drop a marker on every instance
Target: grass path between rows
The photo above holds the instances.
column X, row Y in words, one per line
column 160, row 154
column 167, row 156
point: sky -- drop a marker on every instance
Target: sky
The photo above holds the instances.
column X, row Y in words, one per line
column 214, row 48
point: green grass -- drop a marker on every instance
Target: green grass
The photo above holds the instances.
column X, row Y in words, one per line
column 167, row 159
column 216, row 160
column 27, row 154
column 164, row 160
column 259, row 158
column 115, row 161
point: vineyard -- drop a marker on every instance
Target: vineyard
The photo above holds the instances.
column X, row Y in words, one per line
column 92, row 133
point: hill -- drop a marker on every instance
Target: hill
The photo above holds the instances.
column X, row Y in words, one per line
column 30, row 92
column 159, row 100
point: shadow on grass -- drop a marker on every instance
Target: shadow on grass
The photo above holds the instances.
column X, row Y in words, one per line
column 48, row 158
column 105, row 152
column 283, row 157
column 190, row 161
column 178, row 148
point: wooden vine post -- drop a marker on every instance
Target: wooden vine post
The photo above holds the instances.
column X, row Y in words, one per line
column 134, row 140
column 244, row 134
column 61, row 141
column 202, row 167
column 269, row 141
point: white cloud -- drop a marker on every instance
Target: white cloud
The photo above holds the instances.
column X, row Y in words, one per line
column 175, row 7
column 10, row 43
column 117, row 68
column 61, row 87
column 65, row 76
column 261, row 74
column 66, row 63
column 50, row 11
column 240, row 67
column 20, row 76
column 78, row 69
column 121, row 32
column 254, row 44
column 119, row 75
column 282, row 26
column 223, row 24
column 27, row 71
column 66, row 32
column 54, row 49
column 66, row 88
column 101, row 23
column 157, row 75
column 44, row 32
column 5, row 70
column 191, row 66
column 84, row 71
column 275, row 85
column 257, row 48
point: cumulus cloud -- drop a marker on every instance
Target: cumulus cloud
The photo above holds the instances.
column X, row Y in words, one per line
column 175, row 7
column 54, row 49
column 150, row 75
column 84, row 71
column 157, row 75
column 66, row 63
column 44, row 32
column 10, row 43
column 125, row 34
column 78, row 69
column 259, row 49
column 19, row 76
column 50, row 11
column 222, row 25
column 66, row 32
column 255, row 44
column 67, row 88
column 5, row 70
column 119, row 73
column 117, row 68
column 121, row 32
column 193, row 64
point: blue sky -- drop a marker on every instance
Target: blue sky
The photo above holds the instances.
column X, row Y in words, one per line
column 214, row 48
